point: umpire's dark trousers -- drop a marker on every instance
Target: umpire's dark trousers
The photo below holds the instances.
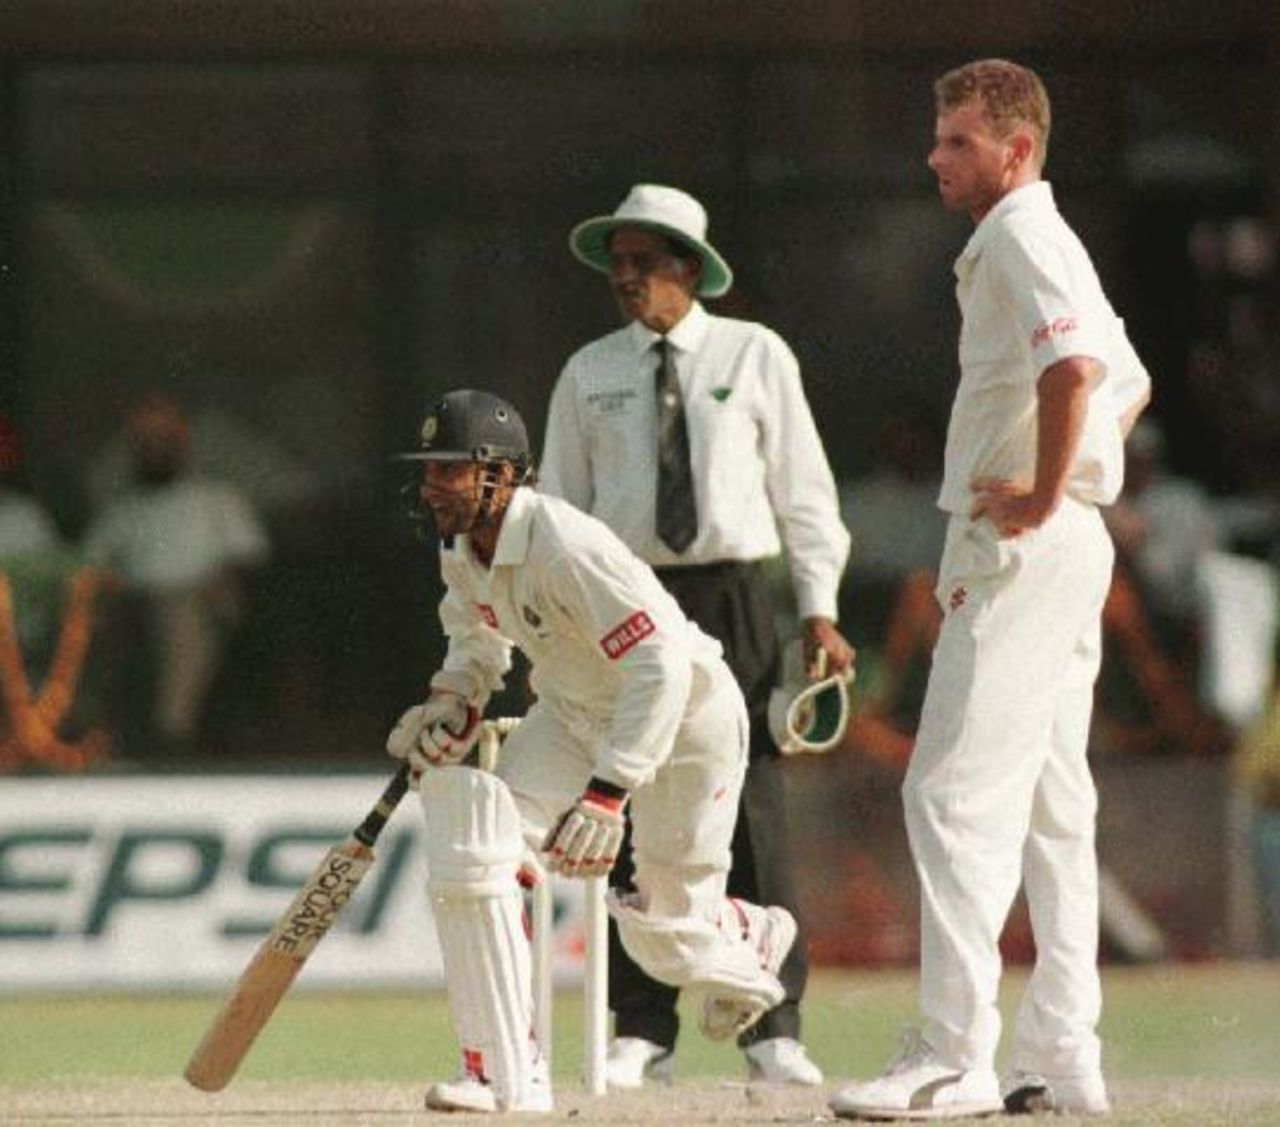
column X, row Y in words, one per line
column 731, row 602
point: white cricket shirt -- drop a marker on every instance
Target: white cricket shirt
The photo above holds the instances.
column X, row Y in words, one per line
column 1029, row 297
column 761, row 476
column 24, row 525
column 610, row 651
column 176, row 535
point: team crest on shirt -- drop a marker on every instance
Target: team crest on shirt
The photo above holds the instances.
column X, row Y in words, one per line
column 959, row 596
column 624, row 636
column 720, row 394
column 485, row 611
column 531, row 616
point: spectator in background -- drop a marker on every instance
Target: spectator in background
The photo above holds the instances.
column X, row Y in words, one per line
column 33, row 555
column 24, row 525
column 46, row 620
column 1162, row 526
column 1212, row 610
column 179, row 546
column 720, row 400
column 894, row 507
column 887, row 594
column 1257, row 770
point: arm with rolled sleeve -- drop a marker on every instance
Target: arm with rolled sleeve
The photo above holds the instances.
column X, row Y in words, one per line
column 596, row 591
column 1048, row 294
column 1068, row 332
column 801, row 488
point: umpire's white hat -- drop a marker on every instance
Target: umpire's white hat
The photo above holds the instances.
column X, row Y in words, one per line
column 668, row 211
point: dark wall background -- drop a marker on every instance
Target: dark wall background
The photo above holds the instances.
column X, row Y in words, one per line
column 308, row 220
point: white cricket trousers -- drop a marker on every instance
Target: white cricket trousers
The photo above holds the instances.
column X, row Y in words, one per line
column 999, row 789
column 682, row 819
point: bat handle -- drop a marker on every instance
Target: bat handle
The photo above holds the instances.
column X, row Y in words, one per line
column 367, row 832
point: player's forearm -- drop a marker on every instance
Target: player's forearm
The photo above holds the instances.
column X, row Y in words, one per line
column 1063, row 404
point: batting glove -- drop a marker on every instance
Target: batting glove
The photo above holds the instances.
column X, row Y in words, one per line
column 437, row 733
column 584, row 841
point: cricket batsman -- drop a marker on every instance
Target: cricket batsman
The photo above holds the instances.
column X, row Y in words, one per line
column 634, row 706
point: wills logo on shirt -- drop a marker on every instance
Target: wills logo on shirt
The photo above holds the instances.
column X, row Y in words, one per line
column 623, row 637
column 959, row 596
column 1050, row 329
column 720, row 394
column 531, row 616
column 485, row 611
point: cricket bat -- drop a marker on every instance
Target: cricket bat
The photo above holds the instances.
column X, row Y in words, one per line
column 282, row 954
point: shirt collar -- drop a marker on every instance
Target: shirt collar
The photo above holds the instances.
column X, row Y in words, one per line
column 1034, row 197
column 517, row 522
column 687, row 335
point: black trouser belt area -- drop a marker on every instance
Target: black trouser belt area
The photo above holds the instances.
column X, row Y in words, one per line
column 707, row 570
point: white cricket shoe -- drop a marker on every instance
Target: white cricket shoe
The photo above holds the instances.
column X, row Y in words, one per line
column 631, row 1061
column 921, row 1085
column 721, row 1017
column 1031, row 1093
column 463, row 1093
column 781, row 1060
column 470, row 1090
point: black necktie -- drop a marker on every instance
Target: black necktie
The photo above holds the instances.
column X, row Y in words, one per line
column 677, row 517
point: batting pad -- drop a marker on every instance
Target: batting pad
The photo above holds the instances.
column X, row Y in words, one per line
column 688, row 951
column 474, row 847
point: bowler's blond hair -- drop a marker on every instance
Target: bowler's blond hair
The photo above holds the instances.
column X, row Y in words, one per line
column 1009, row 95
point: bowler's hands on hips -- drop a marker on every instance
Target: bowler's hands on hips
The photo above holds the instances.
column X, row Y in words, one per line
column 1012, row 507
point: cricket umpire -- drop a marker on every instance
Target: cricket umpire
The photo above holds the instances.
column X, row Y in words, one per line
column 690, row 436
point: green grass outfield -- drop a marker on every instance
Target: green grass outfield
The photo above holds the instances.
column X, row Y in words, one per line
column 1192, row 1044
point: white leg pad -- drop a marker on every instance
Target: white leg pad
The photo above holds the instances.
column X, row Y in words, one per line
column 474, row 846
column 688, row 951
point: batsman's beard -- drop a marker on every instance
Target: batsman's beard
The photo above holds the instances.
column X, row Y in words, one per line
column 455, row 514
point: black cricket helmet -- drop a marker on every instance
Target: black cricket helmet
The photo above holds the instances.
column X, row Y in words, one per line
column 473, row 426
column 470, row 426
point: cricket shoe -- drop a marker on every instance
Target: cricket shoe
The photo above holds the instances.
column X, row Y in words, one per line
column 471, row 1090
column 921, row 1085
column 781, row 1060
column 1031, row 1093
column 631, row 1061
column 773, row 931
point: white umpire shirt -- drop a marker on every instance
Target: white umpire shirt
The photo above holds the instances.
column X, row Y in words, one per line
column 1029, row 296
column 760, row 473
column 611, row 654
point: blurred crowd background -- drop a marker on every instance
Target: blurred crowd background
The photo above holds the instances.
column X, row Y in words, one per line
column 244, row 244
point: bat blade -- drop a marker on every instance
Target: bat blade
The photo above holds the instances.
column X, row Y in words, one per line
column 282, row 954
column 276, row 964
